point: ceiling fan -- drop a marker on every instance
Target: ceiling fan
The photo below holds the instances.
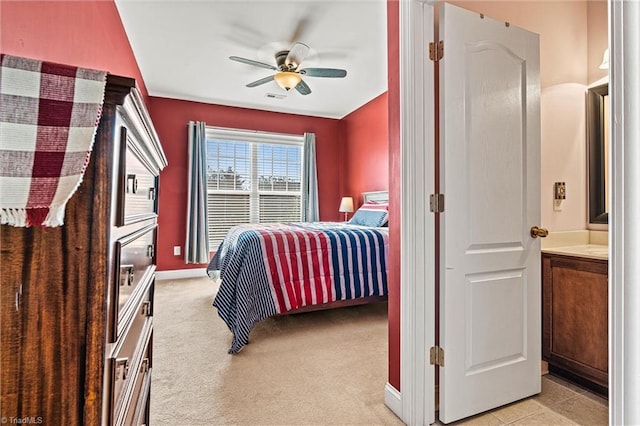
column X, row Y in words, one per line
column 288, row 75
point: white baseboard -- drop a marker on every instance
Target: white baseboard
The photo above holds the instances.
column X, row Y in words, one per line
column 393, row 400
column 181, row 273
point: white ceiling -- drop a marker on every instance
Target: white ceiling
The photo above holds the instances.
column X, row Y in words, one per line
column 183, row 49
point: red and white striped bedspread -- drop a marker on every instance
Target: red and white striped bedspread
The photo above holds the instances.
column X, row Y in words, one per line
column 275, row 268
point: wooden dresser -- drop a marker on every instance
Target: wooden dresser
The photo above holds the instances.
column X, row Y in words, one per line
column 575, row 318
column 77, row 300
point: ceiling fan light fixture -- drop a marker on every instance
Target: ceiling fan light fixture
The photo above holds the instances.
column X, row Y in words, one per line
column 287, row 79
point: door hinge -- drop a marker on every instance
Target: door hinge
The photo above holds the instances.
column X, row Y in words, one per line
column 436, row 356
column 436, row 50
column 436, row 203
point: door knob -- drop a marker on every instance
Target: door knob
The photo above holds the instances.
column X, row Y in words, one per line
column 538, row 232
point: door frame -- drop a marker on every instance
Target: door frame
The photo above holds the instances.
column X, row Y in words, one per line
column 624, row 226
column 416, row 334
column 417, row 256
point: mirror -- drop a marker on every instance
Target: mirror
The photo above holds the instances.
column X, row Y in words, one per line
column 598, row 154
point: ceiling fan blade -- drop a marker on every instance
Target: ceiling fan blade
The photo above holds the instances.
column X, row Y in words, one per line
column 301, row 27
column 261, row 81
column 324, row 72
column 252, row 62
column 296, row 54
column 303, row 88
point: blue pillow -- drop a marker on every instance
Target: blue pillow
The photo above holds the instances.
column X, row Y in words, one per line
column 368, row 215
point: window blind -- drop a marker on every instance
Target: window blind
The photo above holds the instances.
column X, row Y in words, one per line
column 251, row 179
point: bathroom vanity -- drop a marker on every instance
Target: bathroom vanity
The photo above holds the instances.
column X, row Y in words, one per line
column 575, row 313
column 575, row 269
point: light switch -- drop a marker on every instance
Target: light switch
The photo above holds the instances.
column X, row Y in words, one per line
column 176, row 250
column 559, row 191
column 559, row 194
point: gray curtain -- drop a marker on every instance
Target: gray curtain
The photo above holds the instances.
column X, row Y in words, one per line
column 197, row 242
column 310, row 180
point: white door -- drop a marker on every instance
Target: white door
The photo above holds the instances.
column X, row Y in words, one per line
column 490, row 178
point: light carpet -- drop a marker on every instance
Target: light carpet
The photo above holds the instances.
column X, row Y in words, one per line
column 319, row 368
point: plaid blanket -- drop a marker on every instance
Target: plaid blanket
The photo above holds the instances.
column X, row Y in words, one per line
column 49, row 114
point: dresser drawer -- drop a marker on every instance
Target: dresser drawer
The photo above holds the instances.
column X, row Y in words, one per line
column 138, row 410
column 134, row 268
column 137, row 184
column 128, row 366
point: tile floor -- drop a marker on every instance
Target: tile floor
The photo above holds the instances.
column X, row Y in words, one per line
column 559, row 403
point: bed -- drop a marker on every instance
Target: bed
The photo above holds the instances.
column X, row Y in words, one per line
column 282, row 268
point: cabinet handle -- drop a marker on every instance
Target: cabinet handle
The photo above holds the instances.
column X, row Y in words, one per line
column 145, row 365
column 152, row 193
column 122, row 364
column 151, row 250
column 18, row 295
column 128, row 271
column 132, row 183
column 132, row 271
column 145, row 310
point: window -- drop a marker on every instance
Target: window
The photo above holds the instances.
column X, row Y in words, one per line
column 252, row 177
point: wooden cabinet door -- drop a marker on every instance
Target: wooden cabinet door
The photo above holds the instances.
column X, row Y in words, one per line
column 11, row 298
column 43, row 324
column 575, row 318
column 44, row 331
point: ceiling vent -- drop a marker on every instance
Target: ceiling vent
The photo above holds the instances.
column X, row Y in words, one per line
column 274, row 96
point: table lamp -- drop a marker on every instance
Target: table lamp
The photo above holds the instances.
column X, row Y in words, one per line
column 346, row 206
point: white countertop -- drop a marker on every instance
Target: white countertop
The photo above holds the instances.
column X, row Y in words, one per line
column 592, row 251
column 589, row 244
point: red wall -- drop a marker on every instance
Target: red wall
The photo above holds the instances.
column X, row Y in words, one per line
column 371, row 153
column 366, row 149
column 90, row 34
column 87, row 34
column 393, row 84
column 170, row 118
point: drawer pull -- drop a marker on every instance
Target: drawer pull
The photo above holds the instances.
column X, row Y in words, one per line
column 151, row 250
column 132, row 183
column 128, row 272
column 122, row 368
column 145, row 366
column 145, row 310
column 152, row 193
